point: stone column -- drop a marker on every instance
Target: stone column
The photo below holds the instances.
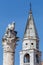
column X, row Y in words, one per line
column 9, row 44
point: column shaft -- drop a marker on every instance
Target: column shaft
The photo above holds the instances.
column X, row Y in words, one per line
column 8, row 58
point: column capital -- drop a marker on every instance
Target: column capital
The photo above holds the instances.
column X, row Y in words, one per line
column 10, row 38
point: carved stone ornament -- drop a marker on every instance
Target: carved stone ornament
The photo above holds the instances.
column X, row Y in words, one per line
column 10, row 35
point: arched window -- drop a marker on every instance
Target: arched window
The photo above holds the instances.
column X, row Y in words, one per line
column 37, row 58
column 37, row 46
column 26, row 58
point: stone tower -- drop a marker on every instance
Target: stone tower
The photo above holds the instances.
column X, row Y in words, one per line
column 9, row 44
column 30, row 53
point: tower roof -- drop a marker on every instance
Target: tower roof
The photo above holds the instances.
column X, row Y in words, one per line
column 30, row 31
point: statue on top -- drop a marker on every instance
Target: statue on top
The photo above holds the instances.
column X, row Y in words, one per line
column 10, row 32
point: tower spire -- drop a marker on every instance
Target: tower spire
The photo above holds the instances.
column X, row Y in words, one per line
column 30, row 26
column 30, row 8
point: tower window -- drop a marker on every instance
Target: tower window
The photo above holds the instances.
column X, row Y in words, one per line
column 37, row 58
column 37, row 46
column 26, row 58
column 26, row 43
column 31, row 43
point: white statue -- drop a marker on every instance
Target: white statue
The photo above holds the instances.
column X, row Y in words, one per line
column 11, row 26
column 10, row 30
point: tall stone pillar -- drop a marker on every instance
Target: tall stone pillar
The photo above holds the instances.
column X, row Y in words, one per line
column 9, row 44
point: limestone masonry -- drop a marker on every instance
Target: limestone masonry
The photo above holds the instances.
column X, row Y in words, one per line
column 9, row 44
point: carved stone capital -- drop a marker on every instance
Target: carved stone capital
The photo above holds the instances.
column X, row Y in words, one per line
column 10, row 38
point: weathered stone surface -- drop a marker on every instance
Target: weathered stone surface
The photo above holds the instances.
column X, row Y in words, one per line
column 9, row 44
column 30, row 45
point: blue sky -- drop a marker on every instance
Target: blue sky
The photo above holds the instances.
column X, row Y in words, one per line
column 18, row 11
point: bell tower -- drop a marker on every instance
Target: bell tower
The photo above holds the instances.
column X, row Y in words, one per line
column 30, row 53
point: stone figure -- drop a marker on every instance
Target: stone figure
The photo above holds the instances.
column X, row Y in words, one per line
column 9, row 44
